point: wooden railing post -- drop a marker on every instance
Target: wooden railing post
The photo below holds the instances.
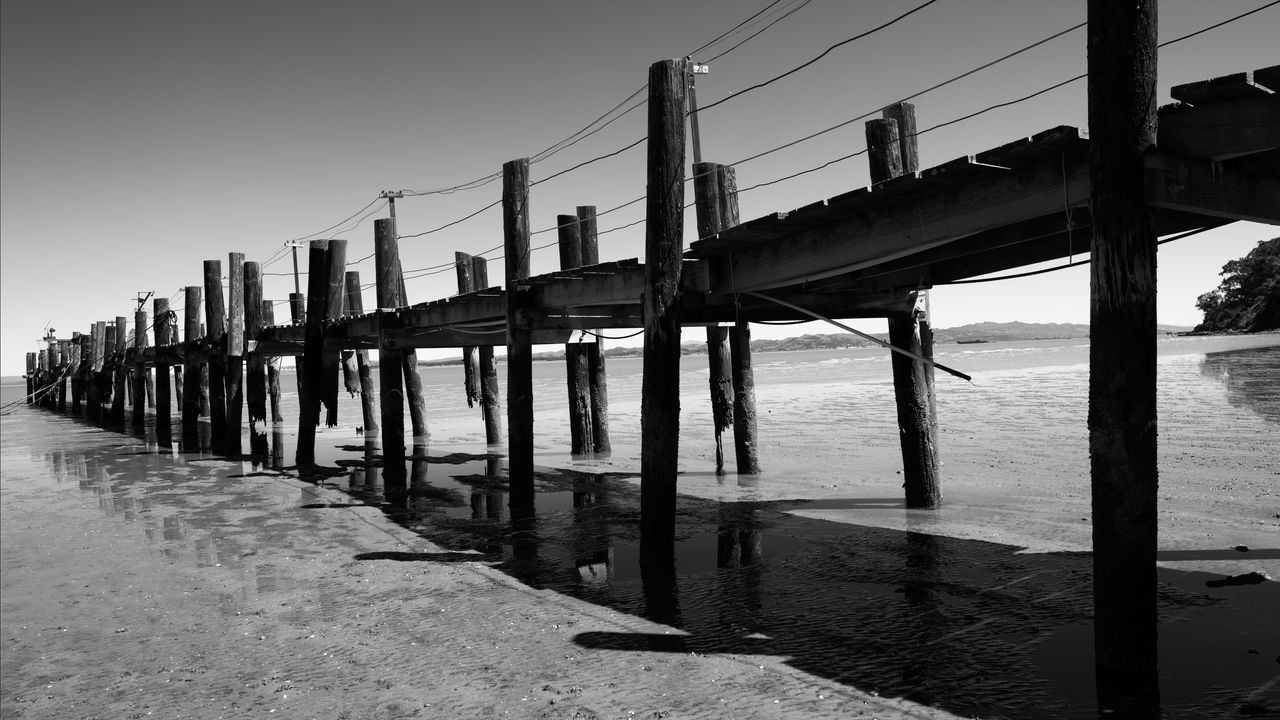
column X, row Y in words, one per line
column 515, row 226
column 664, row 246
column 1122, row 355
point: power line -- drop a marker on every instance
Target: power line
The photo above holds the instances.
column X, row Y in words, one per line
column 821, row 55
column 747, row 39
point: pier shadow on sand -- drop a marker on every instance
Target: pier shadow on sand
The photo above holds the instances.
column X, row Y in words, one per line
column 971, row 627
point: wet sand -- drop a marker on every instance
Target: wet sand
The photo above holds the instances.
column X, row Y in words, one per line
column 147, row 584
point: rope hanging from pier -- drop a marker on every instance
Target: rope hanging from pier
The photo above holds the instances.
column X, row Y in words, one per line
column 864, row 336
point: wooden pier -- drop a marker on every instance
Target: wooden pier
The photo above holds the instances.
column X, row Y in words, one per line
column 1211, row 158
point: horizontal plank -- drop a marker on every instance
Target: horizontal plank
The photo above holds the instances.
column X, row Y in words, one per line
column 1206, row 188
column 1228, row 87
column 1222, row 130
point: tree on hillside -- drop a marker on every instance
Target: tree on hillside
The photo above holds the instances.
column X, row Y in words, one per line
column 1248, row 298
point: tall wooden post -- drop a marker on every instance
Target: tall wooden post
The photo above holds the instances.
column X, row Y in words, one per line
column 255, row 370
column 706, row 191
column 191, row 371
column 336, row 255
column 664, row 245
column 490, row 397
column 597, row 380
column 273, row 370
column 164, row 391
column 93, row 379
column 1122, row 355
column 298, row 316
column 235, row 355
column 575, row 358
column 64, row 371
column 215, row 317
column 31, row 378
column 515, row 226
column 309, row 399
column 390, row 380
column 355, row 306
column 139, row 371
column 120, row 371
column 891, row 151
column 463, row 265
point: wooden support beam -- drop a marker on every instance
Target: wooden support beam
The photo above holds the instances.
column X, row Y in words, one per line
column 706, row 191
column 355, row 306
column 31, row 378
column 298, row 317
column 313, row 386
column 515, row 227
column 664, row 244
column 1122, row 356
column 1222, row 130
column 464, row 266
column 164, row 390
column 64, row 352
column 1204, row 187
column 255, row 367
column 745, row 449
column 390, row 381
column 490, row 397
column 190, row 398
column 234, row 443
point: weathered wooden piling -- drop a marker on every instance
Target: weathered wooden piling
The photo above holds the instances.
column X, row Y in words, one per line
column 463, row 265
column 312, row 393
column 273, row 370
column 139, row 371
column 31, row 378
column 190, row 398
column 664, row 245
column 298, row 316
column 1122, row 355
column 891, row 151
column 355, row 306
column 390, row 381
column 577, row 368
column 745, row 448
column 119, row 371
column 490, row 397
column 255, row 371
column 335, row 300
column 515, row 228
column 598, row 382
column 706, row 193
column 164, row 392
column 234, row 443
column 64, row 372
column 215, row 318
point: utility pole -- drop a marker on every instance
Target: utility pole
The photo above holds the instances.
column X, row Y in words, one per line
column 696, row 69
column 142, row 299
column 294, row 244
column 390, row 196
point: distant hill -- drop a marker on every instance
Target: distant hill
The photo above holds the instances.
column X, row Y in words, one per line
column 973, row 333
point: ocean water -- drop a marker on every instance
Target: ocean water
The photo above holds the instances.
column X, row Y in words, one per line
column 982, row 608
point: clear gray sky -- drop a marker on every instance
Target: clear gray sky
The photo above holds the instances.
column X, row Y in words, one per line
column 140, row 138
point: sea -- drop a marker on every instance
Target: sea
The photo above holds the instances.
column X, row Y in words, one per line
column 981, row 608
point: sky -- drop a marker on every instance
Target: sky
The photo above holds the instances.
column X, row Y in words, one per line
column 138, row 139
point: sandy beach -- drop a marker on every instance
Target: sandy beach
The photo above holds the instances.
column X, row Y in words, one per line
column 140, row 582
